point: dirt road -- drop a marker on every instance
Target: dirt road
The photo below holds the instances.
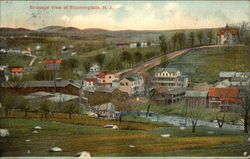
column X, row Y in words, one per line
column 156, row 60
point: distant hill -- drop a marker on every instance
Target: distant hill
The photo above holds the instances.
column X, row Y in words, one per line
column 94, row 33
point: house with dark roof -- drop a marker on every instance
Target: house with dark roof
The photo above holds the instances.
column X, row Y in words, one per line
column 133, row 84
column 169, row 96
column 170, row 78
column 228, row 35
column 223, row 98
column 67, row 87
column 196, row 98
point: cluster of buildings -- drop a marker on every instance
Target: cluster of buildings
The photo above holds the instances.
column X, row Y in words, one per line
column 18, row 72
column 136, row 44
column 228, row 35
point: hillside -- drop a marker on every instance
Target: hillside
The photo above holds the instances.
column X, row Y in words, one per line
column 204, row 65
column 96, row 33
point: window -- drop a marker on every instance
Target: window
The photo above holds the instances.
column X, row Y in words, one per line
column 126, row 83
column 109, row 77
column 103, row 81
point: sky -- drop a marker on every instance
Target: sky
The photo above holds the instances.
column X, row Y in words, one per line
column 121, row 15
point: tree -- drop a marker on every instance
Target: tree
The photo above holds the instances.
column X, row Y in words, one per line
column 45, row 106
column 138, row 57
column 200, row 36
column 24, row 105
column 174, row 41
column 8, row 102
column 191, row 39
column 244, row 108
column 164, row 61
column 100, row 59
column 210, row 36
column 125, row 56
column 150, row 96
column 71, row 107
column 194, row 113
column 220, row 118
column 181, row 39
column 163, row 44
column 44, row 75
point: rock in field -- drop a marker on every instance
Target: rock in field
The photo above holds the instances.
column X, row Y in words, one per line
column 111, row 126
column 131, row 146
column 35, row 132
column 249, row 139
column 4, row 132
column 28, row 140
column 55, row 149
column 245, row 153
column 165, row 135
column 38, row 127
column 210, row 132
column 83, row 154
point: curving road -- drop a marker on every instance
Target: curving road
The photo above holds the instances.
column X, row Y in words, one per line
column 156, row 60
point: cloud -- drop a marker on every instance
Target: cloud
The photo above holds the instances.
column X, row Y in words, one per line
column 147, row 17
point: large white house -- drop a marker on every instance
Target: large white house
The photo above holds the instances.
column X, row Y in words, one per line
column 228, row 35
column 169, row 77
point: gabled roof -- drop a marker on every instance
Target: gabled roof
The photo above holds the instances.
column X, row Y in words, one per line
column 224, row 92
column 196, row 93
column 227, row 74
column 233, row 31
column 19, row 69
column 51, row 84
column 51, row 61
column 103, row 74
column 90, row 79
column 170, row 70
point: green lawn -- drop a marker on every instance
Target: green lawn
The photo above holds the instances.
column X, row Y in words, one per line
column 179, row 109
column 106, row 142
column 204, row 65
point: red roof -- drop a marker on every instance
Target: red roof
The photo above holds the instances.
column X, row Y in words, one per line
column 90, row 79
column 232, row 100
column 103, row 74
column 15, row 70
column 233, row 31
column 223, row 92
column 49, row 61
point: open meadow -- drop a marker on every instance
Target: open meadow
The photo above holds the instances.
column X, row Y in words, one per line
column 83, row 133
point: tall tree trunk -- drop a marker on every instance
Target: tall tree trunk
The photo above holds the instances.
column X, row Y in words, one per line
column 246, row 125
column 6, row 112
column 148, row 109
column 26, row 113
column 193, row 130
column 41, row 116
column 70, row 115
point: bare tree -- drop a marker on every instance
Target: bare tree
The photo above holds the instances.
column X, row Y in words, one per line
column 220, row 118
column 71, row 107
column 244, row 108
column 194, row 113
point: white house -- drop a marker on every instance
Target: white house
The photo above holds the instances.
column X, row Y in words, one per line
column 228, row 35
column 89, row 82
column 94, row 68
column 144, row 44
column 169, row 77
column 133, row 45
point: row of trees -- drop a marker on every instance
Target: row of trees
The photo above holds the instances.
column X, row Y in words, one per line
column 181, row 40
column 10, row 102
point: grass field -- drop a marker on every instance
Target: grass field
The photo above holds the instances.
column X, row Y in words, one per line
column 204, row 65
column 179, row 109
column 106, row 142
